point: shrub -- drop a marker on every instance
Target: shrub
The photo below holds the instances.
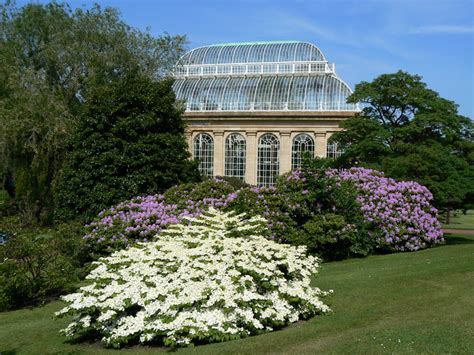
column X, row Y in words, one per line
column 8, row 205
column 307, row 207
column 330, row 235
column 34, row 267
column 296, row 200
column 191, row 196
column 142, row 218
column 335, row 213
column 269, row 203
column 400, row 209
column 235, row 182
column 212, row 279
column 330, row 221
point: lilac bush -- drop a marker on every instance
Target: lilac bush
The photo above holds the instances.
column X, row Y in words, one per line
column 401, row 209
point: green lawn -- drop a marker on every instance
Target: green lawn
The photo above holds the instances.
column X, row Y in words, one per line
column 461, row 221
column 420, row 302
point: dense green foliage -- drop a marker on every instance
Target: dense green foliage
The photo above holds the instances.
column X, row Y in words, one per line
column 35, row 266
column 309, row 208
column 397, row 304
column 52, row 59
column 129, row 141
column 408, row 131
column 194, row 193
column 329, row 218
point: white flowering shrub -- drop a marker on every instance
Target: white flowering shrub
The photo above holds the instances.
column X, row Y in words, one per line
column 213, row 279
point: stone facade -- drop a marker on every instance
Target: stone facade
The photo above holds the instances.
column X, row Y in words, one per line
column 285, row 125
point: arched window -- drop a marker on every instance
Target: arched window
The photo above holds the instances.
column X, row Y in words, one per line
column 235, row 156
column 204, row 153
column 334, row 150
column 268, row 162
column 301, row 143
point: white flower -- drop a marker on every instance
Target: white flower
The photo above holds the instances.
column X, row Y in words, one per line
column 203, row 281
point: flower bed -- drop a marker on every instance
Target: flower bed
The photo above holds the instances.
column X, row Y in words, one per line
column 216, row 278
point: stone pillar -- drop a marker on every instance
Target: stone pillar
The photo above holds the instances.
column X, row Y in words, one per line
column 219, row 153
column 189, row 140
column 251, row 158
column 285, row 152
column 320, row 145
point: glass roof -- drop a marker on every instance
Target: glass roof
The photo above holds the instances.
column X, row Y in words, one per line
column 253, row 52
column 260, row 76
column 269, row 93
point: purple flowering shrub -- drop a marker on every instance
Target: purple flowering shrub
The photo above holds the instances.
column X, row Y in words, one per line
column 335, row 213
column 141, row 218
column 400, row 209
column 328, row 219
column 310, row 209
column 269, row 203
column 215, row 192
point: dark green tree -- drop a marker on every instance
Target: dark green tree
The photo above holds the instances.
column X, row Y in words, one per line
column 410, row 132
column 130, row 141
column 51, row 58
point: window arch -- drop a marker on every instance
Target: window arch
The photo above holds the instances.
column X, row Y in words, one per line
column 235, row 156
column 301, row 143
column 334, row 150
column 204, row 153
column 268, row 161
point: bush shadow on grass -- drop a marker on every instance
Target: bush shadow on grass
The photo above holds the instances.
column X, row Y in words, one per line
column 92, row 340
column 456, row 240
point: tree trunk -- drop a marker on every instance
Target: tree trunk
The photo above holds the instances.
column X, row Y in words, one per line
column 448, row 215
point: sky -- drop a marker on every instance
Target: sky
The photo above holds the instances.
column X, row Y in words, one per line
column 364, row 38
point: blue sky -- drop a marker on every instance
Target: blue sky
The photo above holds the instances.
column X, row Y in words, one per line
column 365, row 38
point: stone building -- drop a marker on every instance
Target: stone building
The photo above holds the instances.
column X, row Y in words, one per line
column 252, row 109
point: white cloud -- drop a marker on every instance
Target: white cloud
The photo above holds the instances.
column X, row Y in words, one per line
column 301, row 23
column 442, row 29
column 360, row 39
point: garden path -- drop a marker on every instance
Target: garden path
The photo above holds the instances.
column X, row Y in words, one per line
column 458, row 231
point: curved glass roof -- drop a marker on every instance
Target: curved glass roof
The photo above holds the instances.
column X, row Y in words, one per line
column 266, row 93
column 260, row 76
column 253, row 52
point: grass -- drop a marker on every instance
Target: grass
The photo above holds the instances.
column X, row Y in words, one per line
column 461, row 221
column 404, row 303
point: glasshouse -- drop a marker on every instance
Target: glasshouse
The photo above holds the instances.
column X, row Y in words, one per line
column 253, row 109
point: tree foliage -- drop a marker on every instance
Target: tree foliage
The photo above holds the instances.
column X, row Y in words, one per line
column 130, row 141
column 51, row 59
column 410, row 132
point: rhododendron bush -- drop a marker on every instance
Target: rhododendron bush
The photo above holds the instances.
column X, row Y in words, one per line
column 212, row 279
column 140, row 218
column 335, row 213
column 401, row 209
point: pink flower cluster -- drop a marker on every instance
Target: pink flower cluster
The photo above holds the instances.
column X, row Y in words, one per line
column 401, row 209
column 143, row 217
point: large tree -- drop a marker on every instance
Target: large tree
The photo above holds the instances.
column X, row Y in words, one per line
column 51, row 59
column 130, row 141
column 410, row 132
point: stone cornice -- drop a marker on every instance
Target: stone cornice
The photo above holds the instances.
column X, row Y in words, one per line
column 268, row 115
